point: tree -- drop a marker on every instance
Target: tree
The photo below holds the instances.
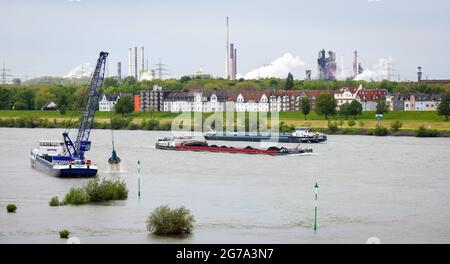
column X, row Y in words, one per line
column 326, row 105
column 306, row 106
column 111, row 82
column 355, row 108
column 290, row 81
column 345, row 110
column 124, row 105
column 24, row 99
column 6, row 99
column 443, row 108
column 381, row 106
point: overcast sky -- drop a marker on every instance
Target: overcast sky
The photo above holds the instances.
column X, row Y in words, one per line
column 50, row 37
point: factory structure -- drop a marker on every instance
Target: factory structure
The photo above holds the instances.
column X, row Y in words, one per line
column 326, row 65
column 231, row 56
column 357, row 68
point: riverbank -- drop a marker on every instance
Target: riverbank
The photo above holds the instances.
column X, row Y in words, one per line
column 365, row 124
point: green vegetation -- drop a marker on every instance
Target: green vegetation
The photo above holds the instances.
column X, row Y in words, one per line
column 426, row 132
column 11, row 208
column 396, row 125
column 332, row 127
column 290, row 81
column 166, row 221
column 326, row 105
column 64, row 233
column 380, row 131
column 351, row 123
column 54, row 201
column 124, row 105
column 306, row 106
column 381, row 106
column 76, row 196
column 443, row 108
column 97, row 190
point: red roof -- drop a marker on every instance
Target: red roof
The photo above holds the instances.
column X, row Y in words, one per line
column 371, row 95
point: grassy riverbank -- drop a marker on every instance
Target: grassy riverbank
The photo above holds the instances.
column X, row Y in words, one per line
column 364, row 122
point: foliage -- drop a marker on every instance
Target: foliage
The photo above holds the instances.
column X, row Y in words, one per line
column 361, row 124
column 426, row 132
column 355, row 108
column 306, row 106
column 443, row 109
column 151, row 124
column 124, row 105
column 345, row 110
column 290, row 81
column 54, row 201
column 333, row 127
column 166, row 221
column 326, row 105
column 396, row 125
column 380, row 131
column 64, row 233
column 381, row 106
column 120, row 122
column 106, row 190
column 77, row 196
column 351, row 123
column 11, row 208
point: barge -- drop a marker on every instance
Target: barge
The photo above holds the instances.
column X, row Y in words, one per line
column 300, row 135
column 203, row 146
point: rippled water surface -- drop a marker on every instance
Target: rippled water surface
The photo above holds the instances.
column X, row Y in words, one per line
column 396, row 189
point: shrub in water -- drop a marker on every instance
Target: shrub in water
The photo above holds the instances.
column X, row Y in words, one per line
column 64, row 233
column 54, row 201
column 76, row 196
column 351, row 123
column 106, row 190
column 425, row 132
column 166, row 221
column 396, row 125
column 380, row 131
column 11, row 208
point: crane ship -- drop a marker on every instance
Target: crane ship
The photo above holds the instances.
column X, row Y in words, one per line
column 300, row 135
column 66, row 158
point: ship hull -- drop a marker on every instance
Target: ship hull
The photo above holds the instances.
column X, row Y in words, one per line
column 236, row 150
column 63, row 171
column 256, row 138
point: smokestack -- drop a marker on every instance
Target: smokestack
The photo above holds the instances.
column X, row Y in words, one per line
column 227, row 61
column 419, row 74
column 355, row 65
column 143, row 60
column 135, row 63
column 130, row 69
column 119, row 71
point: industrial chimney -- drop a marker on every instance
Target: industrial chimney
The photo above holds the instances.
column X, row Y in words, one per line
column 130, row 69
column 419, row 74
column 143, row 60
column 119, row 71
column 135, row 63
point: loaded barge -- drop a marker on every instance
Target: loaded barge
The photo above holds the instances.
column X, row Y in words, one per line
column 300, row 135
column 197, row 145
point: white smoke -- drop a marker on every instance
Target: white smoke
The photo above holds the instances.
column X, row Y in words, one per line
column 379, row 71
column 279, row 68
column 83, row 70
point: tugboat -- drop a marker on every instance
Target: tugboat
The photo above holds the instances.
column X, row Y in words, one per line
column 66, row 158
column 198, row 145
column 300, row 135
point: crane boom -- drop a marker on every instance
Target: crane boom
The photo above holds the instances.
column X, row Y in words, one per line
column 82, row 143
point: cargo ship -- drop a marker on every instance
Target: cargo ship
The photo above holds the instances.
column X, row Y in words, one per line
column 198, row 145
column 300, row 135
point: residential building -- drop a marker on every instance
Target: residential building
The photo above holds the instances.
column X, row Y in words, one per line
column 426, row 102
column 107, row 102
column 395, row 102
column 251, row 101
column 152, row 99
column 369, row 98
column 347, row 95
column 137, row 103
column 210, row 101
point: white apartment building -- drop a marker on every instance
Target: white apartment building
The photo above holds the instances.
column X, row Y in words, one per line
column 107, row 102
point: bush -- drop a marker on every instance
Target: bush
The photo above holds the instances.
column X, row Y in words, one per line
column 396, row 125
column 361, row 124
column 165, row 221
column 152, row 124
column 11, row 208
column 425, row 132
column 54, row 201
column 133, row 126
column 119, row 122
column 64, row 233
column 77, row 196
column 380, row 131
column 351, row 123
column 106, row 190
column 332, row 127
column 165, row 126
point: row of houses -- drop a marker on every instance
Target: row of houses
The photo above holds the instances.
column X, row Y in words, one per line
column 158, row 99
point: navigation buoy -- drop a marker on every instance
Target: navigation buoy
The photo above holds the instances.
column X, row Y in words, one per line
column 316, row 188
column 139, row 178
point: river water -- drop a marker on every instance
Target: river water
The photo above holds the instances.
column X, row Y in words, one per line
column 393, row 188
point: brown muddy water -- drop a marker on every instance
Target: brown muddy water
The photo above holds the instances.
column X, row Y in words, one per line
column 393, row 188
